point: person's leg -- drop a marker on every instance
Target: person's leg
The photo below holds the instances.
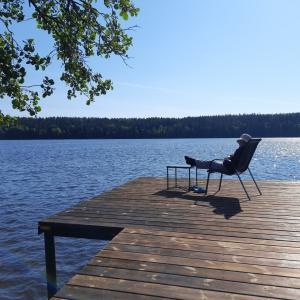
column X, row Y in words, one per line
column 190, row 161
column 217, row 166
column 205, row 164
column 202, row 164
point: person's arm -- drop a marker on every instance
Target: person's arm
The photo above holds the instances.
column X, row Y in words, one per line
column 230, row 156
column 234, row 157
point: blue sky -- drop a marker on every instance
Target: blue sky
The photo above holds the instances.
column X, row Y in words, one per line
column 196, row 57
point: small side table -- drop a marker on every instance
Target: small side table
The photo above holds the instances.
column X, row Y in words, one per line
column 175, row 173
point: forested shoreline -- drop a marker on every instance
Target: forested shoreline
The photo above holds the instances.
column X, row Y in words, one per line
column 260, row 125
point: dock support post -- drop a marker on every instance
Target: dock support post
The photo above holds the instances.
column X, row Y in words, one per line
column 50, row 264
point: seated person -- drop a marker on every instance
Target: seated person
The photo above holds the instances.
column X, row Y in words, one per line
column 228, row 163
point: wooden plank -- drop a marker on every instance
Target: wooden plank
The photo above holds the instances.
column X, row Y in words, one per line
column 228, row 231
column 155, row 289
column 202, row 283
column 199, row 218
column 239, row 267
column 90, row 293
column 246, row 277
column 208, row 254
column 167, row 214
column 197, row 244
column 110, row 208
column 171, row 219
column 211, row 237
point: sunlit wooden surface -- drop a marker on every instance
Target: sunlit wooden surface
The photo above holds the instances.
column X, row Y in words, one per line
column 182, row 245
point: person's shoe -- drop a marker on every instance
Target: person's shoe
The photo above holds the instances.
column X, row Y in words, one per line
column 190, row 161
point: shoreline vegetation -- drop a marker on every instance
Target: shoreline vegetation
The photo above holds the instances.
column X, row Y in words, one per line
column 219, row 126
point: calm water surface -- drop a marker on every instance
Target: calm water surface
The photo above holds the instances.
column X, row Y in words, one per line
column 39, row 178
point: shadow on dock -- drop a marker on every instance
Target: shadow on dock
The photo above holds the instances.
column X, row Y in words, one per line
column 227, row 206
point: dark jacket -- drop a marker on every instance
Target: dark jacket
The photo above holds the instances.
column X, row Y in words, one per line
column 230, row 163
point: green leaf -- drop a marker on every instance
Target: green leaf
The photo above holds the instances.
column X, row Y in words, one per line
column 76, row 34
column 124, row 15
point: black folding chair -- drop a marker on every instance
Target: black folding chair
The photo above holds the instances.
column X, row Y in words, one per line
column 241, row 166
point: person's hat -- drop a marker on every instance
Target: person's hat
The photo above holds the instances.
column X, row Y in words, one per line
column 245, row 137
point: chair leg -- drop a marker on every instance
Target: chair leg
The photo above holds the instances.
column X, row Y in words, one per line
column 167, row 178
column 190, row 179
column 242, row 185
column 255, row 182
column 207, row 182
column 220, row 182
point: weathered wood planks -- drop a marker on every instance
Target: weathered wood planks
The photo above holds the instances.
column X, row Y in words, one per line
column 179, row 245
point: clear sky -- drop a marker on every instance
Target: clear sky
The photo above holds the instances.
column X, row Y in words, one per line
column 197, row 57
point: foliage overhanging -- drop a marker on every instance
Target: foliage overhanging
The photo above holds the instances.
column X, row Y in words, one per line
column 79, row 29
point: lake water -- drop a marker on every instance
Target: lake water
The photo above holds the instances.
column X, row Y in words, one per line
column 39, row 178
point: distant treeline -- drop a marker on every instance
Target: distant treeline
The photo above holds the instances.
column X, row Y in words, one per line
column 260, row 125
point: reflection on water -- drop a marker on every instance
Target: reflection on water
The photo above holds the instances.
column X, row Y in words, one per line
column 39, row 178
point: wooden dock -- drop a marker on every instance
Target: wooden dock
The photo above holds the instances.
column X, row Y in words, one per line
column 182, row 245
